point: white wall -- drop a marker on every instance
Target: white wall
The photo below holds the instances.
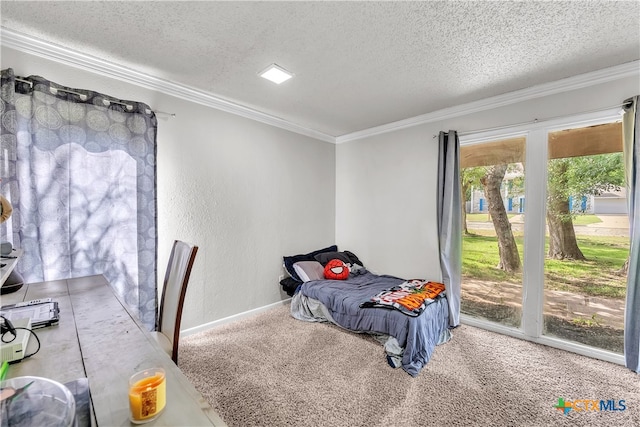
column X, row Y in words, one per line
column 248, row 193
column 385, row 202
column 386, row 184
column 245, row 192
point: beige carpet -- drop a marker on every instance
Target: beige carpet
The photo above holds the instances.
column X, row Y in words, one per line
column 273, row 370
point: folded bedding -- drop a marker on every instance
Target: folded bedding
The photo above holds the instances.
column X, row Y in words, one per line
column 340, row 301
column 410, row 297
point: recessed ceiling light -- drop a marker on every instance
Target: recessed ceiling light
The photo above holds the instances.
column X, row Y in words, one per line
column 276, row 74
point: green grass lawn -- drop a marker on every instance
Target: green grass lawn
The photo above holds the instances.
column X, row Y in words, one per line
column 596, row 276
column 585, row 219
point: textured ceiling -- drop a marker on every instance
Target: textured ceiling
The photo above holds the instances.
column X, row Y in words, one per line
column 358, row 64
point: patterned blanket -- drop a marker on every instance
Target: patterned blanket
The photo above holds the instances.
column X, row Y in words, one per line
column 410, row 297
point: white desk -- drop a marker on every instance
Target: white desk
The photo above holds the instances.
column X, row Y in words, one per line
column 98, row 338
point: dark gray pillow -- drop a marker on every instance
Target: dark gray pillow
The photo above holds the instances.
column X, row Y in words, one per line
column 325, row 257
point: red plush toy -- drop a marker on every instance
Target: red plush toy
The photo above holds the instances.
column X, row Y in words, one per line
column 336, row 270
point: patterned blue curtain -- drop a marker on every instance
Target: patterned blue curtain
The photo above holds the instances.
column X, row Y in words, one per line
column 631, row 148
column 450, row 220
column 79, row 169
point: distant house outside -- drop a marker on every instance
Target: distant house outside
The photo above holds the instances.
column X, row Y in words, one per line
column 608, row 203
column 614, row 202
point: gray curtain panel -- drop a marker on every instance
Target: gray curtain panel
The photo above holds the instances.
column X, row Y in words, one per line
column 79, row 168
column 631, row 148
column 450, row 220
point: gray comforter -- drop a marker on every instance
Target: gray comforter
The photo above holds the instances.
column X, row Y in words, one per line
column 341, row 299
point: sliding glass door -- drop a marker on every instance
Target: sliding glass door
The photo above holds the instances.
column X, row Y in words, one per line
column 587, row 237
column 492, row 178
column 545, row 232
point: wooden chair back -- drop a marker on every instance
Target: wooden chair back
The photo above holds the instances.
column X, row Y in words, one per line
column 173, row 292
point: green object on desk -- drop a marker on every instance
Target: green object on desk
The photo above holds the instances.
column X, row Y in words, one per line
column 3, row 370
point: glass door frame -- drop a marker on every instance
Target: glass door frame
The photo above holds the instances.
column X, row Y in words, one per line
column 536, row 157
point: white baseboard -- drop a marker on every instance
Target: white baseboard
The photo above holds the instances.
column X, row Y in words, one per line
column 234, row 318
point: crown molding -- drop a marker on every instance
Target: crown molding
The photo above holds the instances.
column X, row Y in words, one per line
column 37, row 47
column 54, row 52
column 629, row 69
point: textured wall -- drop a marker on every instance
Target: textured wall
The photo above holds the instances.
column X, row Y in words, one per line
column 385, row 202
column 246, row 193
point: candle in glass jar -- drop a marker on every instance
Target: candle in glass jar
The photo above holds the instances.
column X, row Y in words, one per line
column 147, row 395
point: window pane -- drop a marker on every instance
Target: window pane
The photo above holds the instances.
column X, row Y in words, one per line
column 587, row 237
column 493, row 176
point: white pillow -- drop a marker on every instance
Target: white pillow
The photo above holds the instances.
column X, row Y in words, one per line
column 309, row 270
